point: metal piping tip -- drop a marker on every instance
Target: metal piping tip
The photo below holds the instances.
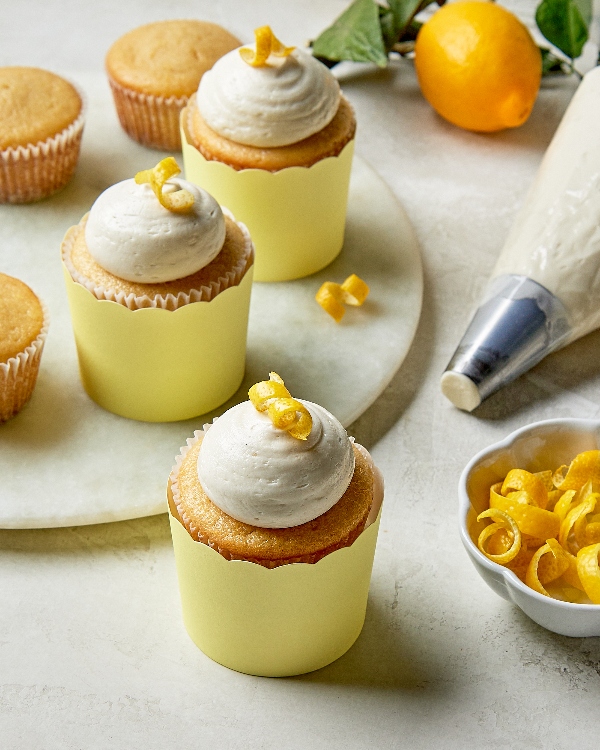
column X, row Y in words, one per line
column 517, row 325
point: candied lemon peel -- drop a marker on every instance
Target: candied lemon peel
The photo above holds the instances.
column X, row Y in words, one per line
column 332, row 297
column 285, row 412
column 266, row 44
column 545, row 527
column 179, row 201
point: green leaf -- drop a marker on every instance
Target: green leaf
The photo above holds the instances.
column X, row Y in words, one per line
column 388, row 29
column 355, row 35
column 565, row 24
column 405, row 10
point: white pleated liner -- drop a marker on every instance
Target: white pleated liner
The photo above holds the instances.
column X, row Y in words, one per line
column 148, row 119
column 18, row 375
column 194, row 532
column 169, row 302
column 29, row 173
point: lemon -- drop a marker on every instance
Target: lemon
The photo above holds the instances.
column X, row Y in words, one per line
column 478, row 66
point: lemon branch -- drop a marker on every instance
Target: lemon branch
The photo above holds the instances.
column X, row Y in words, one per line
column 368, row 31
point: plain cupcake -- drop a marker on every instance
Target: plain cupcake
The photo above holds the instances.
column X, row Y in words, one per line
column 23, row 330
column 270, row 133
column 155, row 68
column 175, row 270
column 274, row 514
column 40, row 133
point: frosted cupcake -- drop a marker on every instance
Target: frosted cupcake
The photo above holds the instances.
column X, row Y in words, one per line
column 23, row 330
column 155, row 68
column 274, row 491
column 40, row 133
column 159, row 277
column 270, row 134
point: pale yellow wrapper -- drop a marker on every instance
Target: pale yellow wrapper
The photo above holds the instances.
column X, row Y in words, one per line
column 295, row 216
column 159, row 365
column 273, row 622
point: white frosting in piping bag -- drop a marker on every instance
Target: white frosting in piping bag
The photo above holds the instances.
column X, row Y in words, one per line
column 555, row 239
column 277, row 104
column 263, row 476
column 132, row 236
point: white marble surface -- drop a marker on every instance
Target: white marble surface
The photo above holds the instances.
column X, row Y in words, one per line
column 92, row 650
column 81, row 464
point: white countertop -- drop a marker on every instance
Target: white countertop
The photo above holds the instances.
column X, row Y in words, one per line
column 93, row 653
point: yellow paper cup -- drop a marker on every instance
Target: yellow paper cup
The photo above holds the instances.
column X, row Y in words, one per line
column 160, row 365
column 295, row 216
column 274, row 622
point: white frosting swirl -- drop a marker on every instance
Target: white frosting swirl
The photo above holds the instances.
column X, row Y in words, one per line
column 265, row 477
column 132, row 236
column 275, row 105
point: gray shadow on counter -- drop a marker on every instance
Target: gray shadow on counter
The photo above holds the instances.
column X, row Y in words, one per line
column 390, row 655
column 385, row 412
column 569, row 369
column 125, row 539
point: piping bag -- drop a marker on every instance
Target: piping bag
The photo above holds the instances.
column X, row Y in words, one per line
column 545, row 288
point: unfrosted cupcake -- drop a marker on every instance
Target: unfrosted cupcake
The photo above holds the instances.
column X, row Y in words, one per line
column 154, row 69
column 40, row 133
column 254, row 491
column 23, row 330
column 270, row 134
column 175, row 270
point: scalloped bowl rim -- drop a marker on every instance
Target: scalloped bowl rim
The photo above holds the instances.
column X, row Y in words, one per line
column 510, row 579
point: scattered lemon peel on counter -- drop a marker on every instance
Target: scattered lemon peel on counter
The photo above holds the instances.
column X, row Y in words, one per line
column 332, row 297
column 179, row 201
column 285, row 412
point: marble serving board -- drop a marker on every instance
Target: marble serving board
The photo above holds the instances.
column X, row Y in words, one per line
column 65, row 461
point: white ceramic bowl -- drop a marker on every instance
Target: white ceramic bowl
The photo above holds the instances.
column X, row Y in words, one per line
column 539, row 446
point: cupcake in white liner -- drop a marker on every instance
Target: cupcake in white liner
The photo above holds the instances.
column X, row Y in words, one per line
column 40, row 133
column 23, row 331
column 154, row 69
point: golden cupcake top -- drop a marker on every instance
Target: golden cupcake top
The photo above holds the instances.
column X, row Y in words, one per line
column 21, row 317
column 168, row 58
column 35, row 105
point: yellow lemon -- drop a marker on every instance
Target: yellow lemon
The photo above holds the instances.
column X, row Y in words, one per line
column 478, row 66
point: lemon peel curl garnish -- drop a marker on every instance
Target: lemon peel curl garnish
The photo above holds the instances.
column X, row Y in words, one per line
column 332, row 297
column 502, row 523
column 285, row 412
column 179, row 201
column 266, row 44
column 556, row 513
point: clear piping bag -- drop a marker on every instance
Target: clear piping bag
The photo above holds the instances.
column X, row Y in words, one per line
column 545, row 288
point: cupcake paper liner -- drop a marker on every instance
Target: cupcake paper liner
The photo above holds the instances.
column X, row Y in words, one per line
column 296, row 216
column 30, row 173
column 273, row 622
column 18, row 375
column 150, row 120
column 143, row 360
